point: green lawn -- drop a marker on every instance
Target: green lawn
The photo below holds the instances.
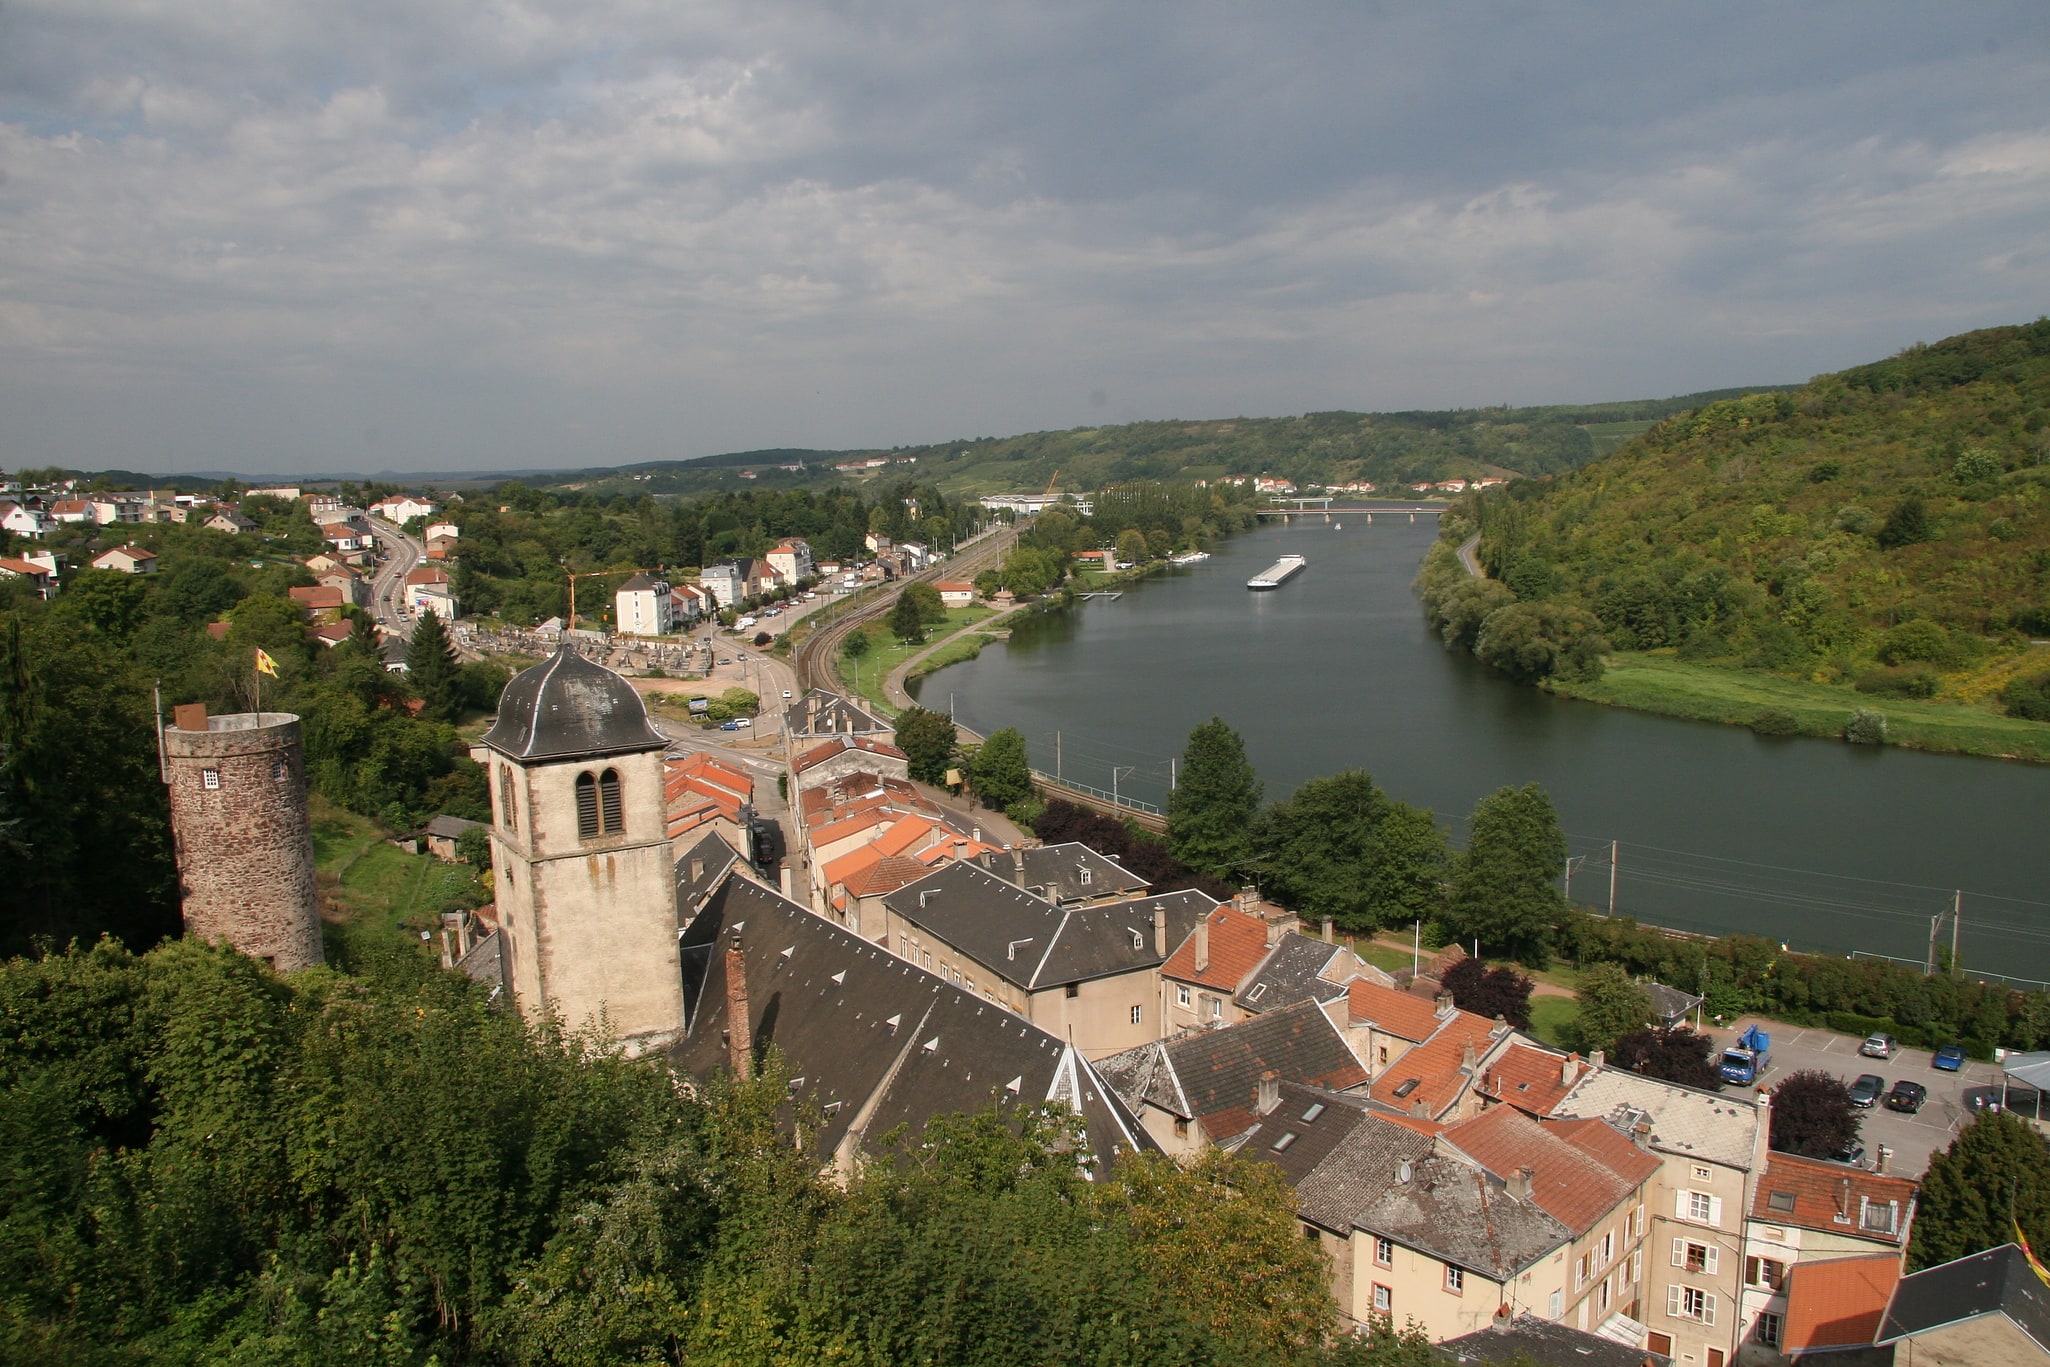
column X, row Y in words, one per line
column 1676, row 688
column 371, row 884
column 1549, row 1017
column 1384, row 956
column 865, row 677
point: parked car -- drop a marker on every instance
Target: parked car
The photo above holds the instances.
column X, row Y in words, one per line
column 786, row 693
column 729, row 726
column 1906, row 1096
column 1867, row 1089
column 1853, row 1152
column 1949, row 1058
column 1878, row 1046
column 742, row 723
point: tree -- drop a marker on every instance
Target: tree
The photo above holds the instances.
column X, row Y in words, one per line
column 1995, row 1174
column 1534, row 641
column 1611, row 1006
column 1132, row 548
column 932, row 610
column 1314, row 849
column 1002, row 774
column 1406, row 869
column 1503, row 892
column 1812, row 1115
column 907, row 623
column 1490, row 992
column 927, row 740
column 431, row 667
column 1675, row 1054
column 1906, row 525
column 1210, row 812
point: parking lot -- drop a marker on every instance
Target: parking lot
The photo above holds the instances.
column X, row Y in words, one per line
column 1910, row 1138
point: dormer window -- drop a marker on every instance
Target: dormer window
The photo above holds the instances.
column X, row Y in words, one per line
column 599, row 807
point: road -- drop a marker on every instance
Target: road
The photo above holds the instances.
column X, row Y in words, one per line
column 388, row 586
column 1466, row 556
column 814, row 658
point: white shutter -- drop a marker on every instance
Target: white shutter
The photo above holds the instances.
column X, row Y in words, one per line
column 1708, row 1309
column 1714, row 1257
column 1680, row 1205
column 1715, row 1211
column 1673, row 1302
column 1679, row 1253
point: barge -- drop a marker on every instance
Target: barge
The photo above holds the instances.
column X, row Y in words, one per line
column 1278, row 573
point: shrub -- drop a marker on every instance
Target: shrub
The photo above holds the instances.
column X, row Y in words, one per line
column 1865, row 727
column 1776, row 721
column 1975, row 465
column 1921, row 639
column 1914, row 681
column 2028, row 699
column 1906, row 525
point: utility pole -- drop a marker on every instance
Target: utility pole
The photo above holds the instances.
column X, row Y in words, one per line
column 1114, row 781
column 1615, row 855
column 1056, row 757
column 1929, row 963
column 1172, row 760
column 1957, row 915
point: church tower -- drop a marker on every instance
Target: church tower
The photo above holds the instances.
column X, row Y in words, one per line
column 579, row 842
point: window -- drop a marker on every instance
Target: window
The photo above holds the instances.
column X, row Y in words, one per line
column 1764, row 1272
column 904, row 947
column 1217, row 1008
column 507, row 812
column 1556, row 1306
column 1605, row 1250
column 1636, row 1266
column 1181, row 994
column 925, row 959
column 1072, row 991
column 1135, row 1015
column 1769, row 1325
column 1384, row 1252
column 1687, row 1303
column 1181, row 1128
column 1384, row 1056
column 1702, row 1174
column 1384, row 1300
column 1281, row 1144
column 1878, row 1217
column 1455, row 1280
column 1601, row 1297
column 209, row 778
column 1699, row 1207
column 1781, row 1201
column 1580, row 1272
column 1696, row 1257
column 1309, row 1231
column 1637, row 1220
column 600, row 810
column 281, row 771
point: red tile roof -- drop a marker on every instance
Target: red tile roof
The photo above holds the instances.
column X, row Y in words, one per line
column 1238, row 943
column 1398, row 1013
column 1838, row 1303
column 1528, row 1077
column 1820, row 1192
column 831, row 749
column 1577, row 1176
column 1437, row 1067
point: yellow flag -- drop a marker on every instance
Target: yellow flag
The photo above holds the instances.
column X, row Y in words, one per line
column 265, row 664
column 2030, row 1254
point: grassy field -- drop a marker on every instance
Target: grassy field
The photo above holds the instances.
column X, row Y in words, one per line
column 1383, row 956
column 372, row 884
column 1549, row 1017
column 865, row 677
column 1675, row 688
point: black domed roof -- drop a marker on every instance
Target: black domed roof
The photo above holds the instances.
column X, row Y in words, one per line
column 570, row 707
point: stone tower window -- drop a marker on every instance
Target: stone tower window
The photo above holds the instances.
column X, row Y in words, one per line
column 209, row 778
column 600, row 810
column 506, row 811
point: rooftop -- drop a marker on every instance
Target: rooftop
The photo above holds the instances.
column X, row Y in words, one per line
column 1238, row 943
column 1721, row 1127
column 1835, row 1197
column 1293, row 971
column 1403, row 1014
column 1580, row 1169
column 1459, row 1215
column 1428, row 1079
column 1837, row 1303
column 569, row 708
column 1528, row 1338
column 1996, row 1282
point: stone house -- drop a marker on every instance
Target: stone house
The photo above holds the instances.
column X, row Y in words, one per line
column 1804, row 1211
column 841, row 756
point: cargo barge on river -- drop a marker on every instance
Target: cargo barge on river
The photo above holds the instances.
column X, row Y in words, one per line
column 1278, row 573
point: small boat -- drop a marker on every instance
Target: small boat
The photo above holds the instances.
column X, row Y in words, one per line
column 1188, row 557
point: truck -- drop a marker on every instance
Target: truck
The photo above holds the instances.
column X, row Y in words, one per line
column 1745, row 1061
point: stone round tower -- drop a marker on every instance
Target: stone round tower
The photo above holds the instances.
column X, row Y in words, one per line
column 245, row 846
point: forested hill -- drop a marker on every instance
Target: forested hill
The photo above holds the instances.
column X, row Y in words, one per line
column 1387, row 449
column 1893, row 517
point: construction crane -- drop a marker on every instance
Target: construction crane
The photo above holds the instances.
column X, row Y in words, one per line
column 1050, row 483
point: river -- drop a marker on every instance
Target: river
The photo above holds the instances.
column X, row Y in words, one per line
column 1827, row 846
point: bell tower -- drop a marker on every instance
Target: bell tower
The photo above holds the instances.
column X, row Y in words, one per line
column 579, row 843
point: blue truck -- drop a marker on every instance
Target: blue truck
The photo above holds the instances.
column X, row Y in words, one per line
column 1746, row 1061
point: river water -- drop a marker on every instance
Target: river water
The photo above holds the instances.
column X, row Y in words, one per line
column 1827, row 846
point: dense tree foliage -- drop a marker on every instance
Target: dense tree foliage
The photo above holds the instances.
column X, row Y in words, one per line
column 1674, row 1054
column 1995, row 1174
column 1316, row 848
column 1504, row 888
column 1491, row 992
column 1812, row 1115
column 1611, row 1005
column 431, row 667
column 927, row 740
column 1138, row 850
column 1210, row 812
column 1002, row 772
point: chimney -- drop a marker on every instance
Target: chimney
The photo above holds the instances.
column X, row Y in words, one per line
column 1595, row 1060
column 1160, row 932
column 697, row 870
column 1466, row 1055
column 1018, row 864
column 1268, row 1095
column 1249, row 896
column 1640, row 1134
column 1418, row 1109
column 740, row 1038
column 1504, row 1320
column 189, row 716
column 1444, row 1005
column 1569, row 1071
column 1203, row 945
column 1519, row 1182
column 1880, row 1160
column 1843, row 1200
column 1274, row 932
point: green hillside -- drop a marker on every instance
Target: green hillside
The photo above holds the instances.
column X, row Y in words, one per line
column 1387, row 449
column 1886, row 528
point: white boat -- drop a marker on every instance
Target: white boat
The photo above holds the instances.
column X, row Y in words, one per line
column 1188, row 557
column 1278, row 573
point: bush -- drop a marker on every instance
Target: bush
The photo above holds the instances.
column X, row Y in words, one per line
column 1865, row 727
column 1914, row 681
column 1776, row 721
column 1921, row 640
column 2028, row 699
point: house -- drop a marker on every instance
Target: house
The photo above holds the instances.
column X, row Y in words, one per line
column 1438, row 1079
column 1067, row 874
column 332, row 634
column 129, row 559
column 791, row 559
column 229, row 521
column 441, row 834
column 702, row 795
column 109, row 510
column 688, row 603
column 19, row 520
column 873, row 1046
column 1803, row 1211
column 844, row 755
column 13, row 567
column 1090, row 974
column 1988, row 1309
column 820, row 713
column 1300, row 967
column 1201, row 979
column 442, row 547
column 71, row 510
column 850, row 889
column 344, row 581
column 438, row 599
column 442, row 531
column 402, row 509
column 1669, row 1005
column 1712, row 1152
column 318, row 601
column 954, row 593
column 1523, row 1337
column 643, row 606
column 1831, row 1311
column 725, row 581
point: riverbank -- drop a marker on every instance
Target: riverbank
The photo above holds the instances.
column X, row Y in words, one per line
column 1659, row 683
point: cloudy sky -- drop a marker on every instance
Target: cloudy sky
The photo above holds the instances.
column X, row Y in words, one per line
column 280, row 236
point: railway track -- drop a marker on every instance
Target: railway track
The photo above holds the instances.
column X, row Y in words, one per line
column 813, row 658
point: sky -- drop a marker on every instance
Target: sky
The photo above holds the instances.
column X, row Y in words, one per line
column 281, row 237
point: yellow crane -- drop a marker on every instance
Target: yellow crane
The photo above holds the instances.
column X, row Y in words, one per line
column 1050, row 483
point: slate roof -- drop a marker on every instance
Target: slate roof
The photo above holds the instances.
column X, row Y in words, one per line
column 1580, row 1169
column 1530, row 1339
column 1670, row 1004
column 1458, row 1214
column 1213, row 1076
column 1361, row 1165
column 1996, row 1282
column 1301, row 1132
column 819, row 713
column 1718, row 1126
column 699, row 873
column 1068, row 871
column 570, row 707
column 1030, row 942
column 1811, row 1194
column 1837, row 1303
column 641, row 583
column 1238, row 943
column 449, row 827
column 874, row 1042
column 1402, row 1014
column 1291, row 973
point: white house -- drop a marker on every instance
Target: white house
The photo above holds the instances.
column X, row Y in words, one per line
column 688, row 602
column 447, row 529
column 129, row 559
column 29, row 522
column 402, row 509
column 644, row 606
column 791, row 560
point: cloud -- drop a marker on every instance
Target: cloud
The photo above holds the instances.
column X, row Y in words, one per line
column 524, row 233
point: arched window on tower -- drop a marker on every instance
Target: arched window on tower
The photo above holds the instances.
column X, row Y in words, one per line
column 507, row 812
column 600, row 809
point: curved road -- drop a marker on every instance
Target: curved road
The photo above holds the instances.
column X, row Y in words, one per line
column 388, row 586
column 813, row 659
